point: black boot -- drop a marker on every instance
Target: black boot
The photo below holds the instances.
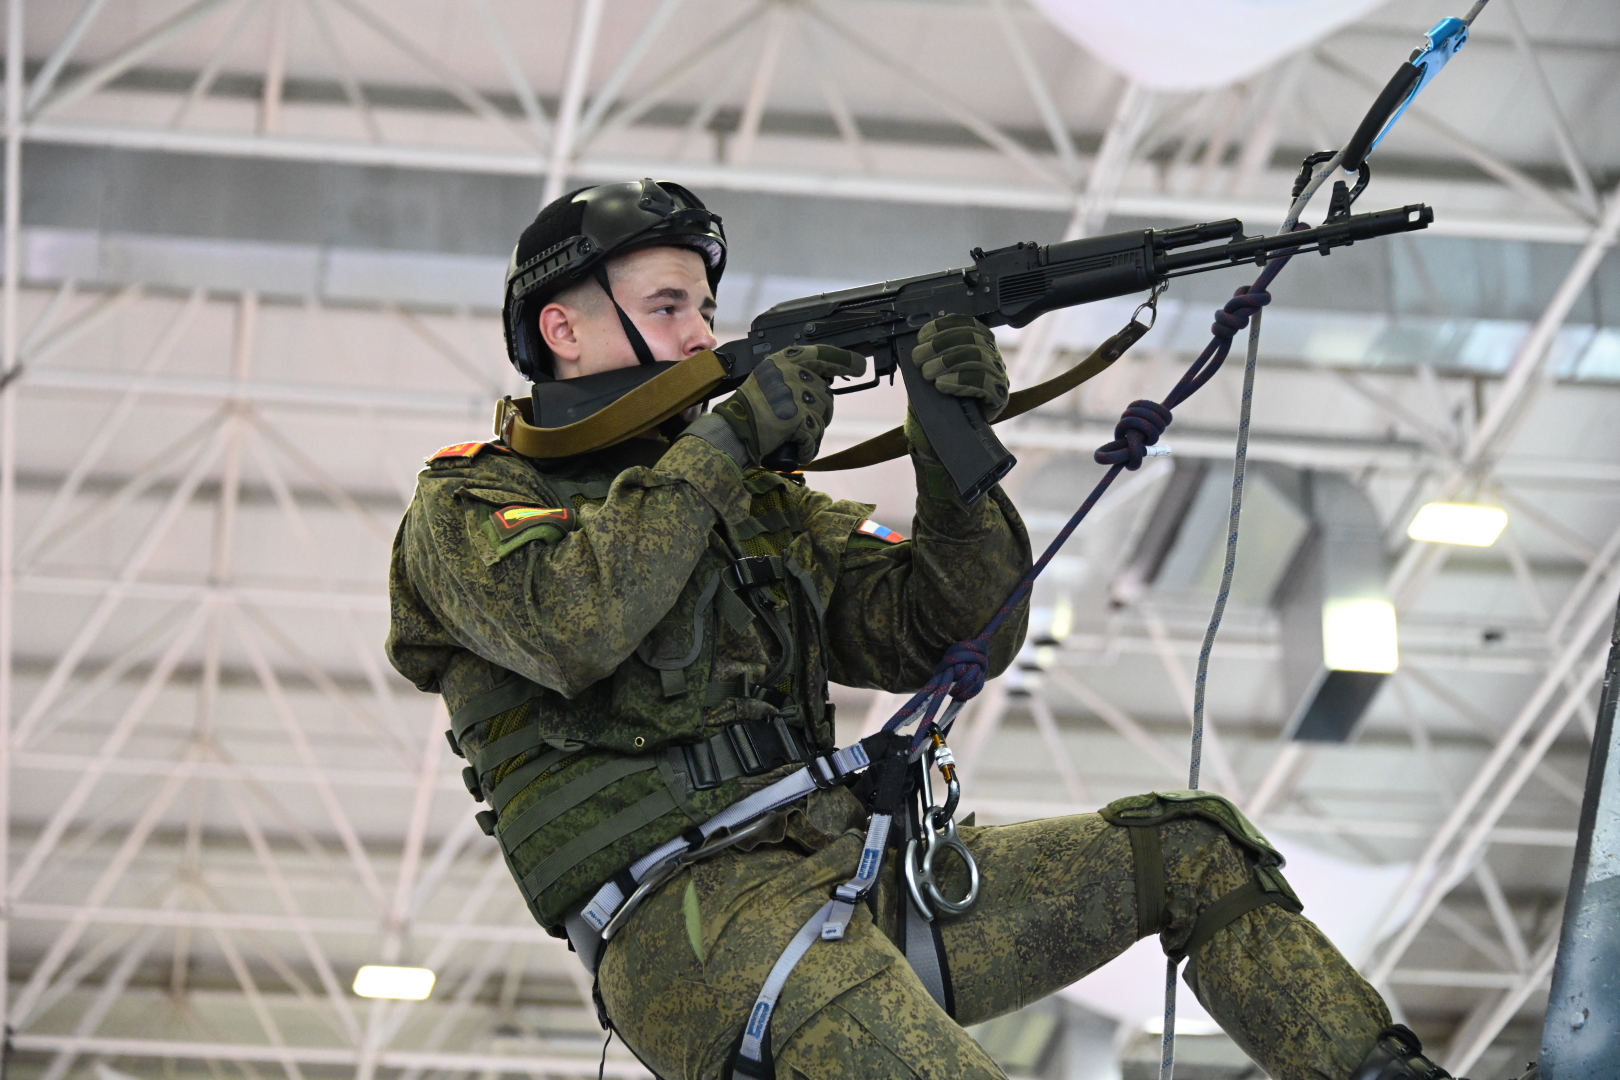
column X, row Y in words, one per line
column 1398, row 1055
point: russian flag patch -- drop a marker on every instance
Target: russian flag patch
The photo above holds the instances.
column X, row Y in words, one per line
column 872, row 528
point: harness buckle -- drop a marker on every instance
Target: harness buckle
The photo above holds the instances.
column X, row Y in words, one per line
column 755, row 571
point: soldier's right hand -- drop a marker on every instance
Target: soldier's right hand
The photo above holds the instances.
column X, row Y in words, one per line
column 787, row 400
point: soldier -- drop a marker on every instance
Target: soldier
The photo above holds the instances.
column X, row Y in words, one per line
column 632, row 640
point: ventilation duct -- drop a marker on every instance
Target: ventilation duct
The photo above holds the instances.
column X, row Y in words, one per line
column 1311, row 548
column 1182, row 545
column 1339, row 639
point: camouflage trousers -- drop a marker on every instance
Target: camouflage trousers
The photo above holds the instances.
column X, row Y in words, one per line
column 1058, row 900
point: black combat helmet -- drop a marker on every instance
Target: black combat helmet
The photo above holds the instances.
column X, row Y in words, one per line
column 572, row 239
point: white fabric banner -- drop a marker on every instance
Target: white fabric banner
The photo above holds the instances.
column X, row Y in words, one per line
column 1197, row 44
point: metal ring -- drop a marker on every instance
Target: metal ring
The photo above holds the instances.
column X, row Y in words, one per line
column 952, row 842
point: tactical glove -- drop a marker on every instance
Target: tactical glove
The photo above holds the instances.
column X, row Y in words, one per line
column 958, row 354
column 786, row 401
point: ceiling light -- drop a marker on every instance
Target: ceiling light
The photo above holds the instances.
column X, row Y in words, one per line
column 1458, row 523
column 1360, row 635
column 398, row 983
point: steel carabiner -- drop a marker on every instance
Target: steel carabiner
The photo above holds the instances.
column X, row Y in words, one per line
column 939, row 828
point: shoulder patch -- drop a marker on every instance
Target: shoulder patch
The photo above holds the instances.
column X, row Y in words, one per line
column 464, row 450
column 880, row 532
column 511, row 520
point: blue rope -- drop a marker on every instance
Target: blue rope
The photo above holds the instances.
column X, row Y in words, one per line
column 962, row 671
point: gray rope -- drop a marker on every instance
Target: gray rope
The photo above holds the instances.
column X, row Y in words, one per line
column 1167, row 1059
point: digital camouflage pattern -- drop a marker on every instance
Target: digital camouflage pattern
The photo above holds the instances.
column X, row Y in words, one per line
column 592, row 605
column 1058, row 900
column 581, row 599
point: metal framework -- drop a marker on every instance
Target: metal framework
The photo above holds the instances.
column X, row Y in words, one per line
column 221, row 801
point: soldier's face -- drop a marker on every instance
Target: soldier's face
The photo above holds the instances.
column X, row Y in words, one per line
column 664, row 290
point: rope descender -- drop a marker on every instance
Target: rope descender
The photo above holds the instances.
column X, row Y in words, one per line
column 939, row 834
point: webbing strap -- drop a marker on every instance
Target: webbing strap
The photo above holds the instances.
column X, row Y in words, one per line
column 504, row 749
column 594, row 839
column 654, row 401
column 1148, row 854
column 920, row 941
column 519, row 778
column 1235, row 904
column 744, row 748
column 759, row 1017
column 574, row 793
column 827, row 924
column 850, row 892
column 631, row 331
column 820, row 772
column 509, row 693
column 892, row 443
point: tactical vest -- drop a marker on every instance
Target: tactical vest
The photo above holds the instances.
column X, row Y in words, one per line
column 578, row 788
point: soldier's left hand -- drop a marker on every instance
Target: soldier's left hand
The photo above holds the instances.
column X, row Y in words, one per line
column 958, row 354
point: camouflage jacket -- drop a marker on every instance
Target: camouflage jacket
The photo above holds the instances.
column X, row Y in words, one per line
column 588, row 619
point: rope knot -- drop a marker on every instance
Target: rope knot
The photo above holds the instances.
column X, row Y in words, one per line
column 967, row 663
column 1235, row 315
column 1139, row 427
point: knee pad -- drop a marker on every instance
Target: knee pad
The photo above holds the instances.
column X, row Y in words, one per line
column 1143, row 815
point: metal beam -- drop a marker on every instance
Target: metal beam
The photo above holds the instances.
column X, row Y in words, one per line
column 346, row 74
column 448, row 1061
column 275, row 68
column 586, row 27
column 501, row 42
column 458, row 87
column 228, row 771
column 1562, row 136
column 1063, row 761
column 688, row 66
column 45, row 79
column 759, row 88
column 307, row 599
column 943, row 99
column 145, row 548
column 833, row 96
column 10, row 265
column 608, row 93
column 1051, row 117
column 127, row 57
column 517, row 933
column 1511, row 402
column 698, row 175
column 1463, row 1057
column 1441, row 865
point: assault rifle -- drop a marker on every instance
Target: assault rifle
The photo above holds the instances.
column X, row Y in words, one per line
column 1012, row 286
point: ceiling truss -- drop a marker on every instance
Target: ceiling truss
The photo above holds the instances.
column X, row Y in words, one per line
column 244, row 800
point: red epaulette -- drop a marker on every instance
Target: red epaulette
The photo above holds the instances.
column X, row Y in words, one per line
column 465, row 450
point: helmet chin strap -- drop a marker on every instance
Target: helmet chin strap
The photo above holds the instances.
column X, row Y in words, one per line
column 637, row 342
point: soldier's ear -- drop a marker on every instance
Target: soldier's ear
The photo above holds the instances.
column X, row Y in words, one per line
column 560, row 329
